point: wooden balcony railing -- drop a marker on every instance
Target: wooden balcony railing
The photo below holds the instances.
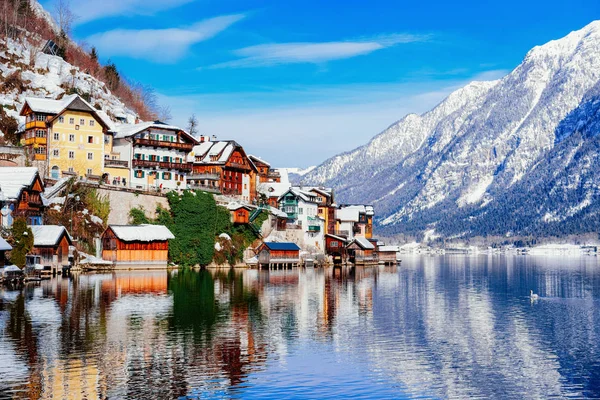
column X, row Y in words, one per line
column 116, row 163
column 239, row 166
column 35, row 124
column 161, row 143
column 206, row 176
column 206, row 188
column 187, row 167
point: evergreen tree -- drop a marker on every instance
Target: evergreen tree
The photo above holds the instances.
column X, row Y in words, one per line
column 22, row 242
column 94, row 55
column 113, row 79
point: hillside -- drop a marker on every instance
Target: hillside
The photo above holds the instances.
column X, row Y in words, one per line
column 513, row 156
column 26, row 71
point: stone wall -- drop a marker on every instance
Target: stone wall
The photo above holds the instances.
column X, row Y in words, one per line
column 123, row 201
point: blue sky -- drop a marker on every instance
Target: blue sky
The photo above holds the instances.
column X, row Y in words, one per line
column 299, row 81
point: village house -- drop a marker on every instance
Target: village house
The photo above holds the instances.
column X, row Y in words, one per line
column 136, row 246
column 278, row 255
column 354, row 220
column 64, row 137
column 265, row 173
column 388, row 255
column 158, row 154
column 240, row 213
column 4, row 247
column 21, row 195
column 361, row 251
column 52, row 243
column 270, row 192
column 223, row 167
column 303, row 213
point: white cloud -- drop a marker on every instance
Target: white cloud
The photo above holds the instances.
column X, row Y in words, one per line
column 307, row 52
column 92, row 10
column 160, row 45
column 325, row 120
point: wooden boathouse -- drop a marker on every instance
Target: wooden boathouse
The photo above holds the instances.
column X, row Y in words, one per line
column 388, row 255
column 278, row 255
column 136, row 246
column 51, row 243
column 361, row 251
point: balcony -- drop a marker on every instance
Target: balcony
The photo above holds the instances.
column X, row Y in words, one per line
column 205, row 188
column 35, row 140
column 187, row 147
column 239, row 166
column 35, row 124
column 116, row 163
column 39, row 157
column 206, row 176
column 186, row 167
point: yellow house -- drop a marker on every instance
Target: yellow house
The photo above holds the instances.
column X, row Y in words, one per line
column 68, row 134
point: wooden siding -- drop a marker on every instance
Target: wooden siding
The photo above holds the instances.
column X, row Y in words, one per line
column 117, row 250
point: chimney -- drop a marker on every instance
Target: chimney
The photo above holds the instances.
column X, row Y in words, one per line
column 202, row 138
column 137, row 120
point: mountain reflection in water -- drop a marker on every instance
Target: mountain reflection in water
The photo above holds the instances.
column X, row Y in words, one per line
column 445, row 327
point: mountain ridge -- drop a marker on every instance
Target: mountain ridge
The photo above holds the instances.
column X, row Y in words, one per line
column 466, row 153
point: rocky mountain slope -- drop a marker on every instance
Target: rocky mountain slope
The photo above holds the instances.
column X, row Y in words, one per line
column 513, row 156
column 26, row 71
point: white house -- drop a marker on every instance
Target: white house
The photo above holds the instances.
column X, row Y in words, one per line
column 158, row 154
column 302, row 209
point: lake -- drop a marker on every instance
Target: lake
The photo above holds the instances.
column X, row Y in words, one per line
column 434, row 327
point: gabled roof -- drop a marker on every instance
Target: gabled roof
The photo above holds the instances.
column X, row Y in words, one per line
column 273, row 189
column 306, row 196
column 14, row 179
column 386, row 249
column 285, row 246
column 127, row 130
column 363, row 243
column 237, row 206
column 141, row 233
column 48, row 235
column 258, row 159
column 336, row 237
column 72, row 102
column 4, row 246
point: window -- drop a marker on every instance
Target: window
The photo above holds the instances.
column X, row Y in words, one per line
column 56, row 136
column 41, row 117
column 71, row 155
column 55, row 153
column 61, row 120
column 106, row 139
column 72, row 121
column 90, row 139
column 139, row 174
column 92, row 122
column 166, row 176
column 166, row 158
column 71, row 138
column 138, row 156
column 40, row 150
column 89, row 171
column 334, row 243
column 82, row 121
column 40, row 133
column 90, row 156
column 300, row 210
column 76, row 127
column 70, row 169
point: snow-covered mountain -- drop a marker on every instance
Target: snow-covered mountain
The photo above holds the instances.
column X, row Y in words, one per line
column 509, row 156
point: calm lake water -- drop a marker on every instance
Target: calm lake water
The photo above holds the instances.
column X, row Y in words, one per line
column 434, row 327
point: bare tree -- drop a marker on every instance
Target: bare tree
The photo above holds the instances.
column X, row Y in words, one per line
column 64, row 16
column 164, row 113
column 193, row 125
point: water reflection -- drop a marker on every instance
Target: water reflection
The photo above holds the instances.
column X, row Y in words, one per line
column 449, row 326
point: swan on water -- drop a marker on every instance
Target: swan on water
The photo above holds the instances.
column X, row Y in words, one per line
column 533, row 296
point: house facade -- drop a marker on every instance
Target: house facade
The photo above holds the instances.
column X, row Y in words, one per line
column 156, row 154
column 302, row 209
column 21, row 195
column 264, row 171
column 223, row 167
column 66, row 136
column 272, row 254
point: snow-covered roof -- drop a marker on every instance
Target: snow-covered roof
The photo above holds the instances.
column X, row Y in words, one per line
column 277, row 212
column 4, row 245
column 348, row 214
column 141, row 233
column 273, row 189
column 256, row 158
column 49, row 106
column 237, row 206
column 364, row 243
column 127, row 130
column 385, row 249
column 14, row 179
column 213, row 152
column 47, row 235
